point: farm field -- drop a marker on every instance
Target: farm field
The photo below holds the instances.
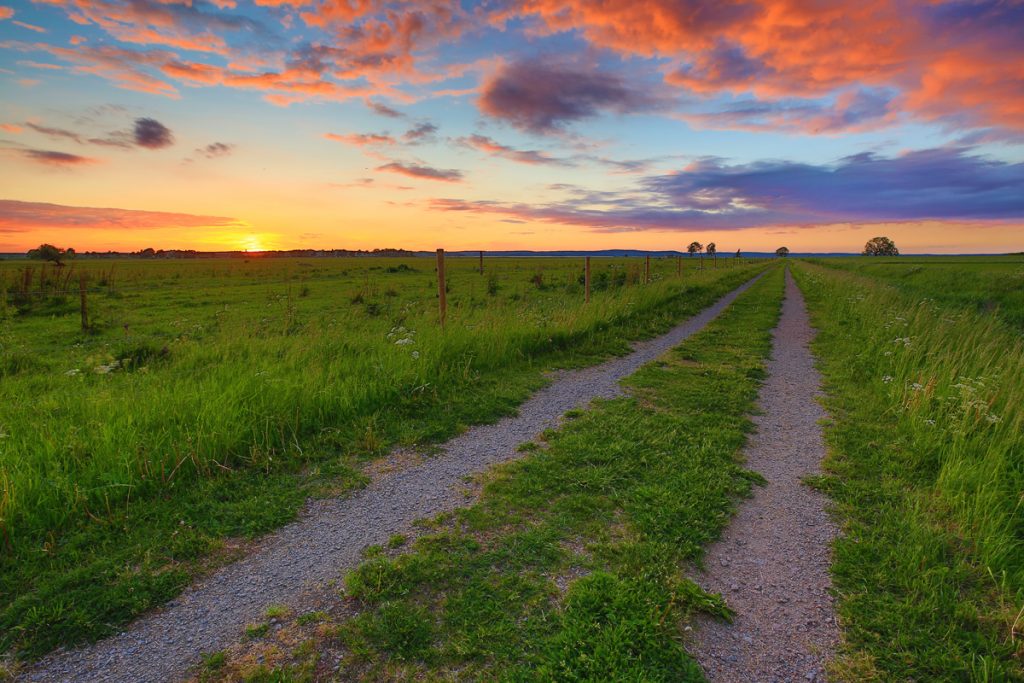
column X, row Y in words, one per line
column 982, row 283
column 210, row 398
column 926, row 466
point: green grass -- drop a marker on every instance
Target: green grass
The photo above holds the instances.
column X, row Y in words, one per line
column 985, row 284
column 572, row 565
column 927, row 469
column 211, row 398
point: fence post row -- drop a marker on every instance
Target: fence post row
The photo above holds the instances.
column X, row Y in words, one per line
column 481, row 262
column 647, row 269
column 442, row 294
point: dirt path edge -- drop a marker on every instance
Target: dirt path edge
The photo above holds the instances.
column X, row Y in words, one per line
column 772, row 562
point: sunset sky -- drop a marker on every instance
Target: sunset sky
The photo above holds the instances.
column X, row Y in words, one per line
column 586, row 124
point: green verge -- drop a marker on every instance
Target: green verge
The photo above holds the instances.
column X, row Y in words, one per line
column 926, row 469
column 119, row 553
column 571, row 566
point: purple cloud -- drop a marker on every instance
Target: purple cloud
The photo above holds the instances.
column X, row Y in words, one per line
column 421, row 171
column 853, row 110
column 384, row 110
column 934, row 184
column 542, row 97
column 52, row 158
column 152, row 134
column 216, row 149
column 422, row 132
column 532, row 157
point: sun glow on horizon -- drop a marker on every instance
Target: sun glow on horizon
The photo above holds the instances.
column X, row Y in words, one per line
column 253, row 243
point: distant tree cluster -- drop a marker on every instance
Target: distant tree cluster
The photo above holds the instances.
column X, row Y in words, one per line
column 880, row 246
column 48, row 252
column 782, row 251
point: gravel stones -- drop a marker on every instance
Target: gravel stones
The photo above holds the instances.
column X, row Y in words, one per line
column 772, row 562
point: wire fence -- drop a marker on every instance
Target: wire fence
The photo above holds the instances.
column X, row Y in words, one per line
column 24, row 290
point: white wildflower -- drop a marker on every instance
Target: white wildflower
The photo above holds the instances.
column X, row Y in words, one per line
column 72, row 372
column 992, row 418
column 917, row 386
column 415, row 355
column 404, row 342
column 887, row 379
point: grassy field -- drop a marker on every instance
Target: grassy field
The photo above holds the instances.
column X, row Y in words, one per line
column 926, row 468
column 572, row 566
column 208, row 399
column 985, row 284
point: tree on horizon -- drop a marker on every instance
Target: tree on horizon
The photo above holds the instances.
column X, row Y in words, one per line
column 48, row 252
column 880, row 246
column 782, row 251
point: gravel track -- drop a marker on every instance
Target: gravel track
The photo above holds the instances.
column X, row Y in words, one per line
column 772, row 563
column 292, row 565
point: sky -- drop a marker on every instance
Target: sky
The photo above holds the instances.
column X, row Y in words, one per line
column 529, row 124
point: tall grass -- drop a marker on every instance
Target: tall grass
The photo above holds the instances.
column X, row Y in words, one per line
column 249, row 371
column 928, row 449
column 986, row 284
column 242, row 397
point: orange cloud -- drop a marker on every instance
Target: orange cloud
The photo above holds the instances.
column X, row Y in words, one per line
column 30, row 27
column 362, row 139
column 17, row 216
column 952, row 61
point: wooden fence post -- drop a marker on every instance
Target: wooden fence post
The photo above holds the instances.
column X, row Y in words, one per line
column 679, row 265
column 85, row 307
column 647, row 269
column 481, row 262
column 442, row 299
column 586, row 277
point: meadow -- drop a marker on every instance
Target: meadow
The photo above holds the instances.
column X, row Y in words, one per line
column 986, row 284
column 926, row 465
column 209, row 399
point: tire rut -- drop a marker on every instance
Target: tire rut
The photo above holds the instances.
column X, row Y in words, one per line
column 772, row 563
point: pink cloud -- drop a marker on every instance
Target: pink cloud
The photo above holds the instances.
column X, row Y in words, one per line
column 18, row 216
column 423, row 172
column 362, row 139
column 30, row 27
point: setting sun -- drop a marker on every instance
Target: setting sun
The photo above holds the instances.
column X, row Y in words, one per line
column 253, row 243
